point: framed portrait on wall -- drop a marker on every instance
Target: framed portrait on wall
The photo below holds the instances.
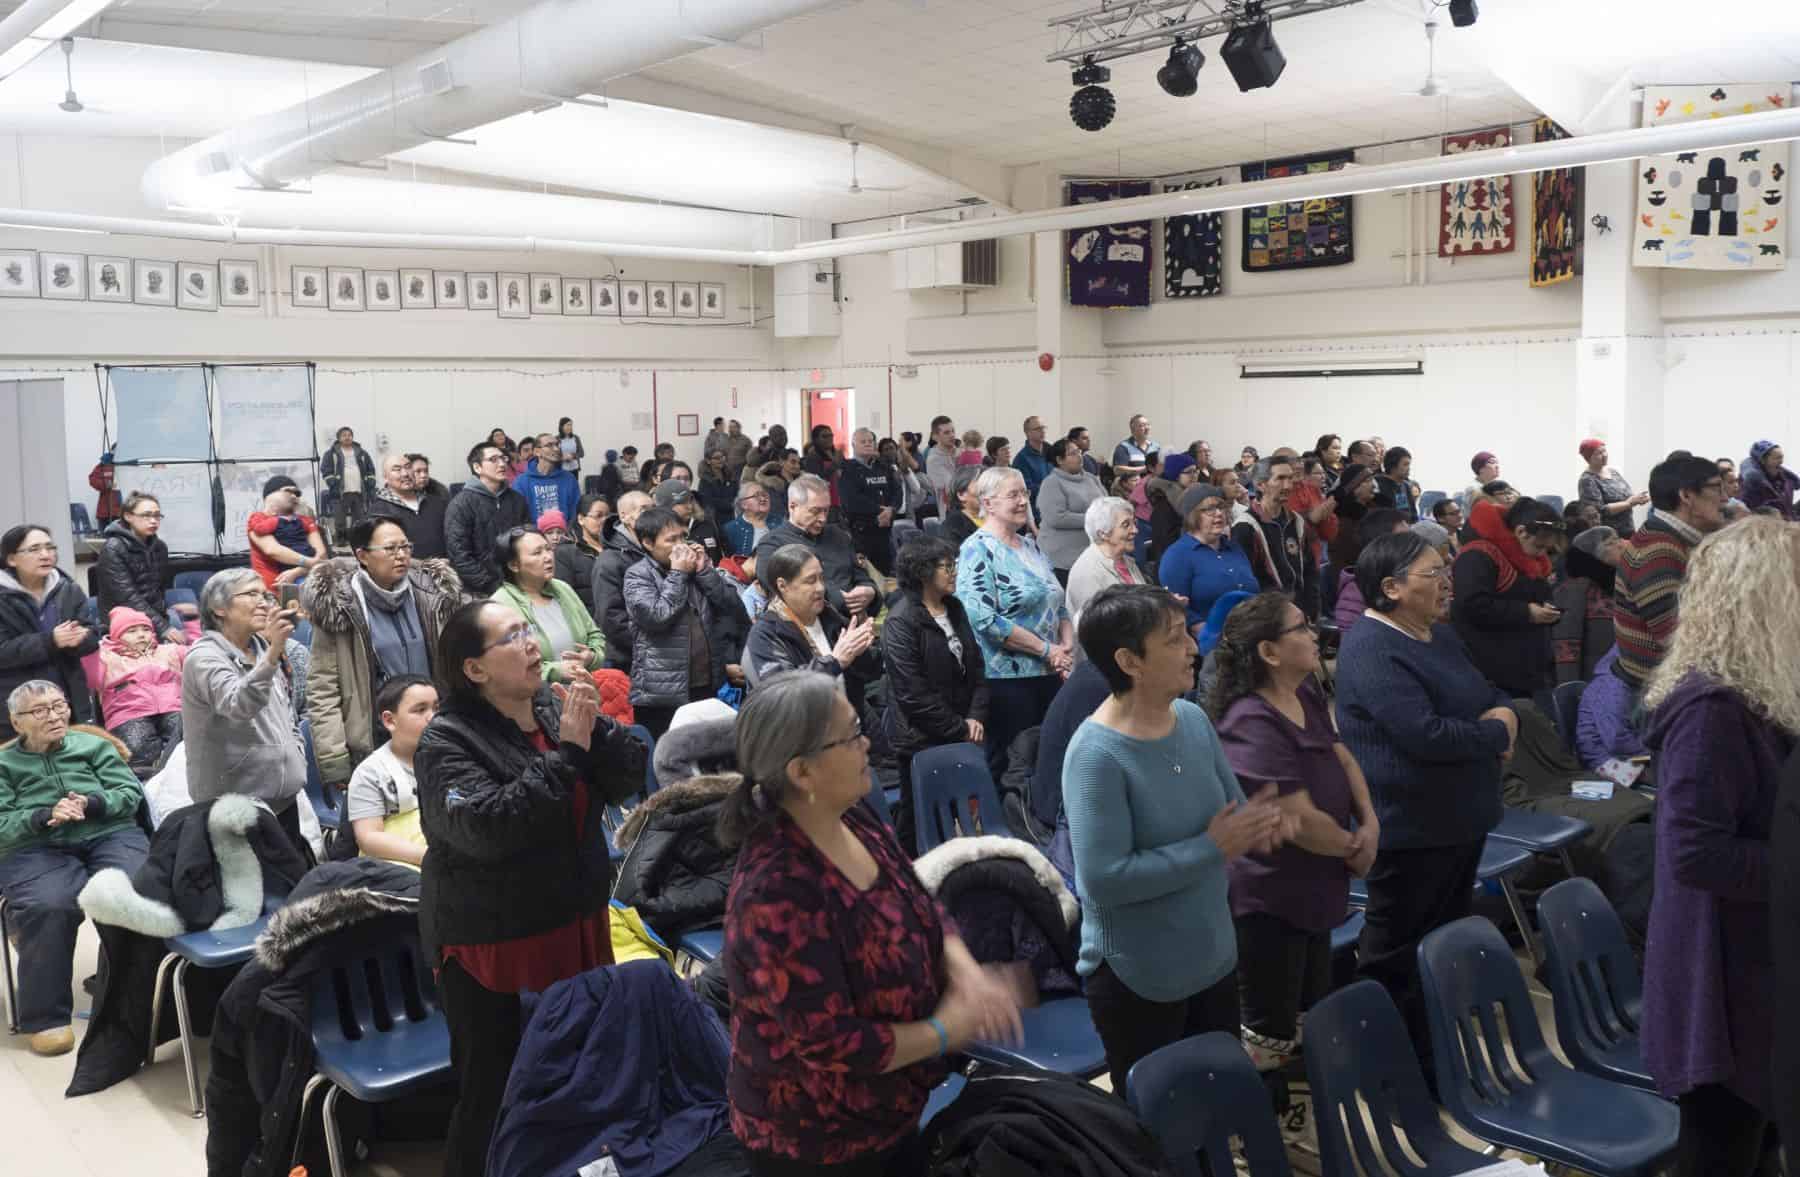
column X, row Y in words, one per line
column 109, row 279
column 198, row 286
column 416, row 290
column 381, row 289
column 576, row 297
column 18, row 273
column 345, row 289
column 514, row 291
column 483, row 290
column 62, row 275
column 687, row 424
column 153, row 283
column 712, row 300
column 606, row 296
column 546, row 294
column 687, row 300
column 659, row 298
column 452, row 290
column 308, row 286
column 632, row 300
column 238, row 286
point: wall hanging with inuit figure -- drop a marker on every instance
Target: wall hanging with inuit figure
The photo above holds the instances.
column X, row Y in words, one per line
column 1719, row 209
column 1108, row 265
column 1300, row 233
column 1476, row 216
column 1193, row 247
column 1555, row 215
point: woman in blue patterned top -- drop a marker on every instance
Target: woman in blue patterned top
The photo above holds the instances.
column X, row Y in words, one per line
column 1016, row 608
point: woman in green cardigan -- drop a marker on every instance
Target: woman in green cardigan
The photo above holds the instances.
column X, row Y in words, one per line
column 566, row 635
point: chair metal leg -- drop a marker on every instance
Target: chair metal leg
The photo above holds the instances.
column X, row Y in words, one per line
column 1562, row 852
column 12, row 987
column 312, row 1085
column 1518, row 914
column 156, row 1002
column 183, row 1019
column 333, row 1148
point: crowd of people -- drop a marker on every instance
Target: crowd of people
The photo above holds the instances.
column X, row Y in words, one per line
column 1157, row 625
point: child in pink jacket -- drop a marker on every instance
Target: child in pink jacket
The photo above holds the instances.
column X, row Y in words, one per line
column 139, row 683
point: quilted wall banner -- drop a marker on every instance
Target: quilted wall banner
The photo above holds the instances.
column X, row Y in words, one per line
column 1555, row 215
column 1109, row 265
column 1476, row 216
column 1298, row 234
column 1719, row 209
column 1194, row 247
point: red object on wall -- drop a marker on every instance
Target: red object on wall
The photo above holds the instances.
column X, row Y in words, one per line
column 1046, row 361
column 830, row 406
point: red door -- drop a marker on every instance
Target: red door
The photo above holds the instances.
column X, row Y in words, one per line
column 829, row 406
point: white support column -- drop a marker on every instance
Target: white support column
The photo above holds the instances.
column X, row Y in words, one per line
column 1073, row 391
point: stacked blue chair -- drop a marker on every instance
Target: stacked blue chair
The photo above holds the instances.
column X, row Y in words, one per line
column 1554, row 502
column 1541, row 1107
column 1565, row 700
column 1358, row 1054
column 1429, row 500
column 194, row 582
column 903, row 532
column 1195, row 1096
column 1598, row 994
column 934, row 526
column 953, row 795
column 205, row 949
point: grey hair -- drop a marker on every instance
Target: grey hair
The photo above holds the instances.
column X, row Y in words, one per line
column 746, row 489
column 1103, row 515
column 993, row 479
column 803, row 488
column 25, row 692
column 870, row 433
column 216, row 594
column 786, row 717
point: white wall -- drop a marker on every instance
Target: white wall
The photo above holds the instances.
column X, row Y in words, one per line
column 30, row 473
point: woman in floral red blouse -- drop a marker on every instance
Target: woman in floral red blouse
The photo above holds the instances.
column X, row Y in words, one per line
column 848, row 985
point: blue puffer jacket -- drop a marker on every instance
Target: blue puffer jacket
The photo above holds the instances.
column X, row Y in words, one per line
column 622, row 1061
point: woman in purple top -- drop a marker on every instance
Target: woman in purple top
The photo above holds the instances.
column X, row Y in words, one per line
column 1726, row 710
column 1272, row 721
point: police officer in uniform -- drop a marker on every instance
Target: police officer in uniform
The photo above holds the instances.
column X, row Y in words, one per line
column 871, row 494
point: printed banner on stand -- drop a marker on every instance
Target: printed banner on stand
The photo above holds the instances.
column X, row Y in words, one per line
column 1476, row 216
column 161, row 414
column 1298, row 234
column 264, row 412
column 1194, row 246
column 1555, row 215
column 1109, row 265
column 1720, row 209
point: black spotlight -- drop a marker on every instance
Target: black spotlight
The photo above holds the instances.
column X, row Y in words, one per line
column 1092, row 106
column 1179, row 76
column 1463, row 13
column 1250, row 52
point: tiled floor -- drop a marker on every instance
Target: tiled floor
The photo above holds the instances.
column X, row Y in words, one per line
column 141, row 1127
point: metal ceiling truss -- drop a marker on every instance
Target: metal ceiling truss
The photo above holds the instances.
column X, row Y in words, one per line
column 1124, row 28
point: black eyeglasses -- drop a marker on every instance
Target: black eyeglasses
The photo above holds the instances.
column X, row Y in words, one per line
column 1308, row 626
column 855, row 735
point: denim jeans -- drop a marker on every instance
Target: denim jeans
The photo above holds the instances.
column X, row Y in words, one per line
column 40, row 884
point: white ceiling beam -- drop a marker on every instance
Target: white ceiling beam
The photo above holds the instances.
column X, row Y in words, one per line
column 990, row 181
column 354, row 51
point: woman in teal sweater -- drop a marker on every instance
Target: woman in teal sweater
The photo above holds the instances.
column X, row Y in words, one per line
column 567, row 637
column 1155, row 813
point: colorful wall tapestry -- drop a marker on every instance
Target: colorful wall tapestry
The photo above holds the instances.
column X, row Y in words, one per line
column 1297, row 234
column 1721, row 209
column 1193, row 247
column 1555, row 215
column 1109, row 265
column 1476, row 216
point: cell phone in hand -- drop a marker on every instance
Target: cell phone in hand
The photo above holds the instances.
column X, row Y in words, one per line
column 288, row 595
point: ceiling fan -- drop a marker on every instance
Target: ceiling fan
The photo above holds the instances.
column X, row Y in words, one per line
column 1465, row 84
column 70, row 102
column 856, row 187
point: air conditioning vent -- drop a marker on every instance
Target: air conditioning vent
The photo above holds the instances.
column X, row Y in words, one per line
column 969, row 265
column 434, row 78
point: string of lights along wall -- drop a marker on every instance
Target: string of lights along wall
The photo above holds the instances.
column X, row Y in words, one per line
column 1125, row 28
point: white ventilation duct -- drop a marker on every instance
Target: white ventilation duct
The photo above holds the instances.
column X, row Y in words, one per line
column 555, row 50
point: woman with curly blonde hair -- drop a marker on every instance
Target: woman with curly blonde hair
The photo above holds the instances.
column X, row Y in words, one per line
column 1726, row 713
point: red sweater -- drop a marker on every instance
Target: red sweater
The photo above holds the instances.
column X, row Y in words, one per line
column 1646, row 595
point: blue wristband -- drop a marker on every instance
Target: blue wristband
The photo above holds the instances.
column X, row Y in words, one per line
column 943, row 1036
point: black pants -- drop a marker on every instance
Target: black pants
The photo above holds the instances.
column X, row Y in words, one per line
column 1722, row 1135
column 1411, row 893
column 1062, row 576
column 1016, row 705
column 1281, row 970
column 906, row 1159
column 485, row 1028
column 149, row 737
column 1131, row 1026
column 874, row 541
column 289, row 821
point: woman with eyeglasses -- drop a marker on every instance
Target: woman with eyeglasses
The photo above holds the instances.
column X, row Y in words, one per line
column 376, row 615
column 1503, row 609
column 513, row 776
column 131, row 567
column 566, row 633
column 1431, row 735
column 576, row 554
column 799, row 630
column 848, row 992
column 41, row 633
column 1274, row 723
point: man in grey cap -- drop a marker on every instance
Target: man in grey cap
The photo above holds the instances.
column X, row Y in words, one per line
column 677, row 497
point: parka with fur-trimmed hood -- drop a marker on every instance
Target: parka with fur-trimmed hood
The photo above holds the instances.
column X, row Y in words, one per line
column 676, row 872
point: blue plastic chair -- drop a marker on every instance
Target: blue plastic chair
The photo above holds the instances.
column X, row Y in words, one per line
column 1598, row 994
column 194, row 582
column 1346, row 935
column 1195, row 1096
column 701, row 946
column 1059, row 1037
column 1541, row 833
column 323, row 803
column 1541, row 1106
column 934, row 526
column 377, row 1033
column 1499, row 860
column 649, row 742
column 954, row 795
column 903, row 532
column 1428, row 500
column 1565, row 702
column 205, row 949
column 1358, row 1054
column 1554, row 502
column 942, row 1096
column 12, row 986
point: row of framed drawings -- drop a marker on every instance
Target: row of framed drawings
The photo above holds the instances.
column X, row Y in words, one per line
column 511, row 296
column 194, row 286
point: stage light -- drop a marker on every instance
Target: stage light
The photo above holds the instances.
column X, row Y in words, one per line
column 1463, row 13
column 1250, row 52
column 1092, row 106
column 1179, row 76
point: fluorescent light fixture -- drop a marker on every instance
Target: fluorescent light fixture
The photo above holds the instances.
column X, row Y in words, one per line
column 36, row 25
column 50, row 228
column 1265, row 368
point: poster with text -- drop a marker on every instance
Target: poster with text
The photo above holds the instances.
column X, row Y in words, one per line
column 1476, row 216
column 264, row 412
column 160, row 414
column 184, row 492
column 1298, row 234
column 1194, row 246
column 241, row 483
column 1555, row 215
column 1108, row 265
column 1717, row 209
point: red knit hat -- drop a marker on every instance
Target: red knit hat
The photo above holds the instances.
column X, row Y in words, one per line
column 1589, row 446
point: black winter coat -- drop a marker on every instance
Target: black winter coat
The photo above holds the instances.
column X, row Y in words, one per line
column 130, row 573
column 622, row 551
column 776, row 644
column 473, row 520
column 1496, row 625
column 424, row 528
column 659, row 602
column 27, row 652
column 575, row 568
column 1044, row 1124
column 837, row 559
column 506, row 859
column 675, row 871
column 933, row 693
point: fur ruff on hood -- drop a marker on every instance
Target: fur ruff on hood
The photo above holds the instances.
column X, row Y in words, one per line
column 695, row 749
column 304, row 922
column 693, row 793
column 119, row 745
column 331, row 603
column 936, row 866
column 109, row 897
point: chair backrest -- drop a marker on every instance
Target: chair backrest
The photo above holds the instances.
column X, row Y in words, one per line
column 375, row 991
column 324, row 805
column 180, row 596
column 1566, row 699
column 904, row 532
column 194, row 582
column 1554, row 502
column 649, row 742
column 953, row 795
column 933, row 525
column 1593, row 975
column 1428, row 500
column 1195, row 1096
column 1481, row 1018
column 1358, row 1055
